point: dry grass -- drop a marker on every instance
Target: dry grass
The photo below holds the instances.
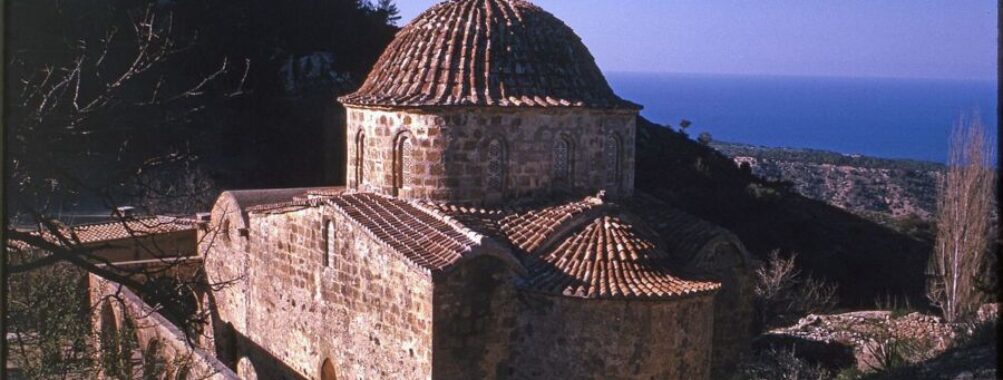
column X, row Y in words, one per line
column 783, row 295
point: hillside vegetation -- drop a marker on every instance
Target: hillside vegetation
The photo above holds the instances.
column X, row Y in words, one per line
column 866, row 259
column 864, row 185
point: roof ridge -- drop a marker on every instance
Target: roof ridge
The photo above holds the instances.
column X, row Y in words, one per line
column 605, row 258
column 406, row 228
column 450, row 221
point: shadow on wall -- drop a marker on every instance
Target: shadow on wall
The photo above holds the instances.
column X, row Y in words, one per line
column 241, row 354
column 486, row 327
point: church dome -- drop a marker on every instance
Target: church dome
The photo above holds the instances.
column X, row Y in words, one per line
column 507, row 53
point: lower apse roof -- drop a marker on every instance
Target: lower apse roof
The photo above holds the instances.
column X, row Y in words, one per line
column 589, row 248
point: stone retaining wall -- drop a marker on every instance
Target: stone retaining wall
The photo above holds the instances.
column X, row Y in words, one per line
column 156, row 336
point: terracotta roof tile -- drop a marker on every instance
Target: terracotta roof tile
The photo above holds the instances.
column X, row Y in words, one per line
column 586, row 249
column 136, row 227
column 609, row 258
column 423, row 238
column 507, row 53
column 529, row 230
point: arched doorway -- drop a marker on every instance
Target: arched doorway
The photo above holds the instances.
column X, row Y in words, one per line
column 327, row 370
column 245, row 369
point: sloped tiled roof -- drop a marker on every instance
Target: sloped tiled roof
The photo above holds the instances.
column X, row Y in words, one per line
column 530, row 230
column 132, row 227
column 591, row 249
column 507, row 53
column 422, row 238
column 609, row 258
column 128, row 228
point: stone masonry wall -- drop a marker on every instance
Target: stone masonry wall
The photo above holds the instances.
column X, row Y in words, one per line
column 486, row 329
column 368, row 310
column 449, row 158
column 475, row 314
column 596, row 339
column 225, row 257
column 733, row 309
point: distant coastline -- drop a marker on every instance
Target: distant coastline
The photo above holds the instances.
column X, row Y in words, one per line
column 889, row 118
column 821, row 156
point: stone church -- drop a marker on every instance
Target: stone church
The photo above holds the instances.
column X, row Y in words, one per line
column 488, row 228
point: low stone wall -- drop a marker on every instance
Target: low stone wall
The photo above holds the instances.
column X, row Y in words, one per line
column 156, row 336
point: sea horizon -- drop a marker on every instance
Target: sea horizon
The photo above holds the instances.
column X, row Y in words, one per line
column 885, row 117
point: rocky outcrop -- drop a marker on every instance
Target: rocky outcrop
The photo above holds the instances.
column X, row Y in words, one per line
column 879, row 340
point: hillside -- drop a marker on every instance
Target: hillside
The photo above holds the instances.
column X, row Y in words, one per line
column 867, row 259
column 863, row 185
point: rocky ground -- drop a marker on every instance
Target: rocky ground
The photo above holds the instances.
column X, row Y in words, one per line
column 890, row 345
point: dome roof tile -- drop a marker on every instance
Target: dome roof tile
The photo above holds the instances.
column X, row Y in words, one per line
column 507, row 53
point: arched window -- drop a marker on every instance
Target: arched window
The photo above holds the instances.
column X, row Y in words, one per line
column 563, row 161
column 226, row 230
column 613, row 160
column 109, row 326
column 403, row 164
column 496, row 158
column 329, row 235
column 154, row 363
column 360, row 159
column 327, row 370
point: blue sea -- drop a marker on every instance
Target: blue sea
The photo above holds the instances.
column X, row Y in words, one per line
column 890, row 118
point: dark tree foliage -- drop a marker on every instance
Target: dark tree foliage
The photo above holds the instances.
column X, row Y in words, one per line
column 49, row 323
column 303, row 54
column 269, row 119
column 118, row 101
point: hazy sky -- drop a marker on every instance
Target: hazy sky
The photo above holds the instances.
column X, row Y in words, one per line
column 886, row 38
